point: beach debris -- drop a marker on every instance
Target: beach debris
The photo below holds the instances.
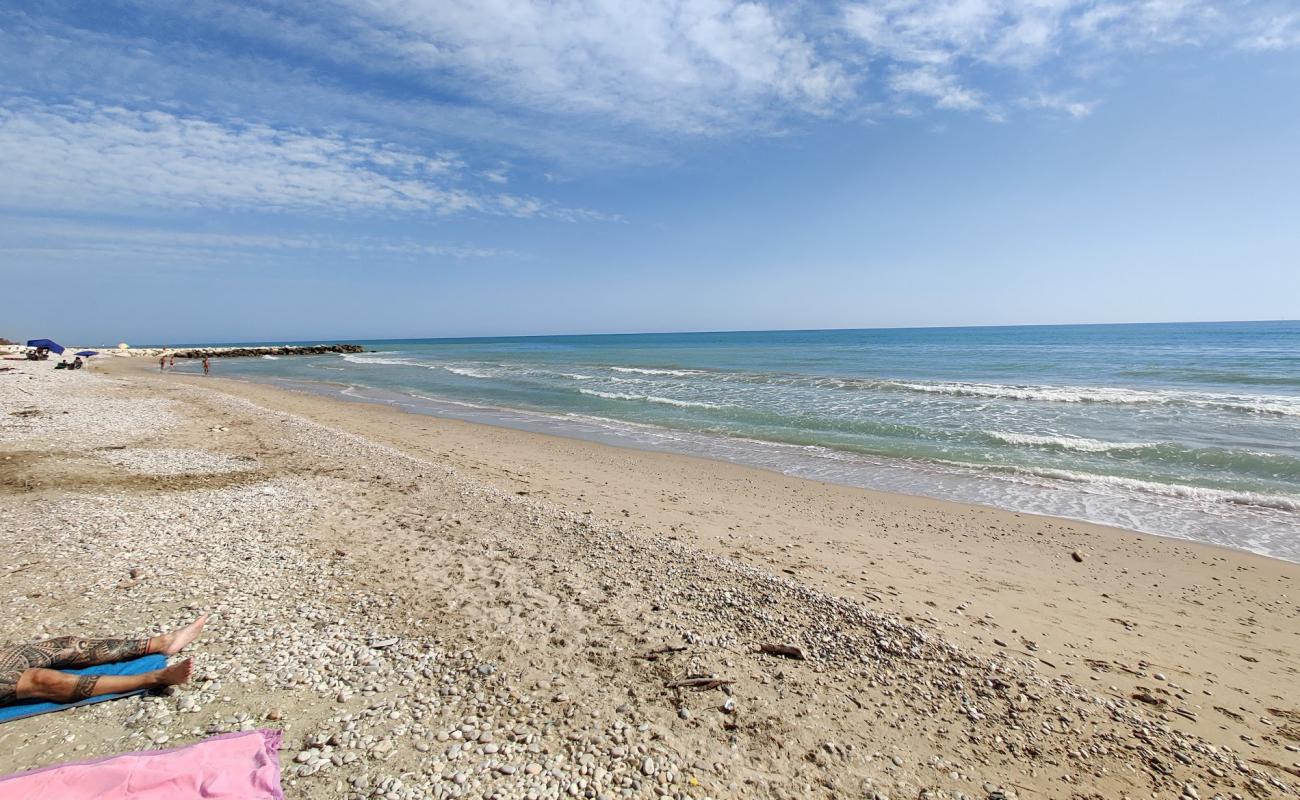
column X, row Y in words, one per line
column 783, row 650
column 1077, row 556
column 701, row 683
column 1264, row 762
column 1230, row 714
column 1148, row 698
column 654, row 655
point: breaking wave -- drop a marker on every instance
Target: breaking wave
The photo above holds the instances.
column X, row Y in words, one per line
column 1255, row 404
column 647, row 398
column 679, row 373
column 469, row 373
column 1077, row 443
column 1200, row 493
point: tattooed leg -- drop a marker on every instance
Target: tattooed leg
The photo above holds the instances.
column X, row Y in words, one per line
column 85, row 687
column 9, row 687
column 60, row 687
column 73, row 651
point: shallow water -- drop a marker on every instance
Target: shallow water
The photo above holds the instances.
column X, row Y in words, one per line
column 1189, row 430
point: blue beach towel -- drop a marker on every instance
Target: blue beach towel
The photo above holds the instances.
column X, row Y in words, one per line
column 136, row 666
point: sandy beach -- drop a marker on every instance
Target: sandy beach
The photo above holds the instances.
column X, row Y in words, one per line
column 433, row 608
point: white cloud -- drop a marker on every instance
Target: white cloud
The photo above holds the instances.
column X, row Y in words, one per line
column 574, row 84
column 87, row 244
column 942, row 88
column 83, row 156
column 498, row 175
column 1077, row 109
column 193, row 76
column 679, row 66
column 937, row 48
column 1274, row 32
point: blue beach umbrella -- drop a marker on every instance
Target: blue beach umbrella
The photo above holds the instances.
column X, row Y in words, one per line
column 47, row 344
column 88, row 353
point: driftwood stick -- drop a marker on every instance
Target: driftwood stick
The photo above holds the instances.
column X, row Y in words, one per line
column 653, row 655
column 784, row 650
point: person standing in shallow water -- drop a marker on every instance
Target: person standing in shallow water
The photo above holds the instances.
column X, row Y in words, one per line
column 173, row 361
column 31, row 671
column 162, row 363
column 206, row 365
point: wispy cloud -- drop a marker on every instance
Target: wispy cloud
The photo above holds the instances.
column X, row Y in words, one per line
column 698, row 66
column 88, row 157
column 82, row 244
column 597, row 82
column 939, row 49
column 54, row 57
column 1077, row 109
column 415, row 107
column 938, row 86
column 1280, row 31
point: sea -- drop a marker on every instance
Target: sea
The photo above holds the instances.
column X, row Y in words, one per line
column 1182, row 430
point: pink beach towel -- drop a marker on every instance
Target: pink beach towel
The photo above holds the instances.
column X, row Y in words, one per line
column 236, row 766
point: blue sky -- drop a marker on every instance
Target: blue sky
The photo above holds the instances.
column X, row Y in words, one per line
column 283, row 169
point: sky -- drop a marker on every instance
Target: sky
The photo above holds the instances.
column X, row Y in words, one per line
column 285, row 170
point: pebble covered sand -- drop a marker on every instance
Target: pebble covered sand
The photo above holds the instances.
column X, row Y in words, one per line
column 420, row 632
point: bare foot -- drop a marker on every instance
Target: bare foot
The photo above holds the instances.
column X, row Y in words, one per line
column 174, row 674
column 169, row 644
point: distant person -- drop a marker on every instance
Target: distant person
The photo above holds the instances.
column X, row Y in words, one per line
column 162, row 363
column 173, row 362
column 207, row 365
column 77, row 363
column 31, row 671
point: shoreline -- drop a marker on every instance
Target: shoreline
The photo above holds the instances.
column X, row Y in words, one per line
column 459, row 610
column 782, row 534
column 901, row 473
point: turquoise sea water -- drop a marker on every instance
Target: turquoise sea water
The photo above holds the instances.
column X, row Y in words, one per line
column 1187, row 430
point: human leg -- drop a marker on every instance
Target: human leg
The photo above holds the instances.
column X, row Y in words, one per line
column 74, row 651
column 62, row 687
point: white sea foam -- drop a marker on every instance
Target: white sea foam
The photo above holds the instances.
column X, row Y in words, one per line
column 647, row 398
column 273, row 358
column 469, row 373
column 1255, row 404
column 450, row 402
column 1200, row 493
column 610, row 422
column 680, row 373
column 1077, row 443
column 391, row 362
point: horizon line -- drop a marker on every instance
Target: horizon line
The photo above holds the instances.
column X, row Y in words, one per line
column 345, row 340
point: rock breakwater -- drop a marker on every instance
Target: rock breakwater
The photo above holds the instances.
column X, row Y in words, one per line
column 282, row 350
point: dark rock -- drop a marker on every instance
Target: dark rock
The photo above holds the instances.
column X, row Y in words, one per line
column 279, row 350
